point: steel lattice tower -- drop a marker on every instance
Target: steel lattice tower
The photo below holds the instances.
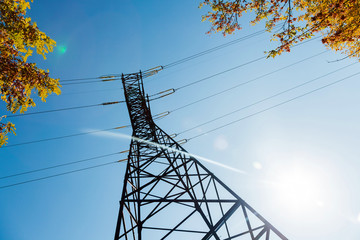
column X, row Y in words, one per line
column 168, row 194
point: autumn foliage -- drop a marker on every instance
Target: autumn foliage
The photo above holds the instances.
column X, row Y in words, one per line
column 336, row 20
column 19, row 37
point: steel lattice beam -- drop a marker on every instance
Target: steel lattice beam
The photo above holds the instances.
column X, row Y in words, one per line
column 169, row 194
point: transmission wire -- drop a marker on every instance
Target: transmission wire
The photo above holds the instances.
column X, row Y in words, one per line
column 274, row 106
column 65, row 109
column 249, row 81
column 265, row 99
column 61, row 137
column 199, row 135
column 78, row 79
column 213, row 49
column 233, row 68
column 183, row 59
column 79, row 134
column 57, row 175
column 95, row 81
column 57, row 166
column 219, row 73
column 91, row 91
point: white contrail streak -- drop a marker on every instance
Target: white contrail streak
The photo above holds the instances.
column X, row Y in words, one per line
column 120, row 135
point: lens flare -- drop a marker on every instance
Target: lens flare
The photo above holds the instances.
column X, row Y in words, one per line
column 62, row 49
column 257, row 165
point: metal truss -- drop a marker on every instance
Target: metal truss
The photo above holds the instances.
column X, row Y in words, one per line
column 168, row 194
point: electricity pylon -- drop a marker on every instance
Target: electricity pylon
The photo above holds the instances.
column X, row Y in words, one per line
column 168, row 194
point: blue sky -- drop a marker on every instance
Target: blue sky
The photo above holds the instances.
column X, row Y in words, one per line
column 296, row 164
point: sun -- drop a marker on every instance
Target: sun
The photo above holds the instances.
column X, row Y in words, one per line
column 299, row 188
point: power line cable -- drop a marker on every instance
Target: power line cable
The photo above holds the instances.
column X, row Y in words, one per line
column 78, row 79
column 95, row 81
column 59, row 174
column 244, row 83
column 220, row 73
column 274, row 106
column 91, row 91
column 55, row 138
column 109, row 76
column 236, row 67
column 116, row 77
column 177, row 62
column 218, row 47
column 59, row 165
column 265, row 99
column 62, row 137
column 65, row 109
column 256, row 113
column 183, row 60
column 156, row 117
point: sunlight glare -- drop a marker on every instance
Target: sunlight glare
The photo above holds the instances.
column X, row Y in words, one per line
column 299, row 188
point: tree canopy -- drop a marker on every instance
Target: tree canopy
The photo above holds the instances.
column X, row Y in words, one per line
column 19, row 37
column 337, row 20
